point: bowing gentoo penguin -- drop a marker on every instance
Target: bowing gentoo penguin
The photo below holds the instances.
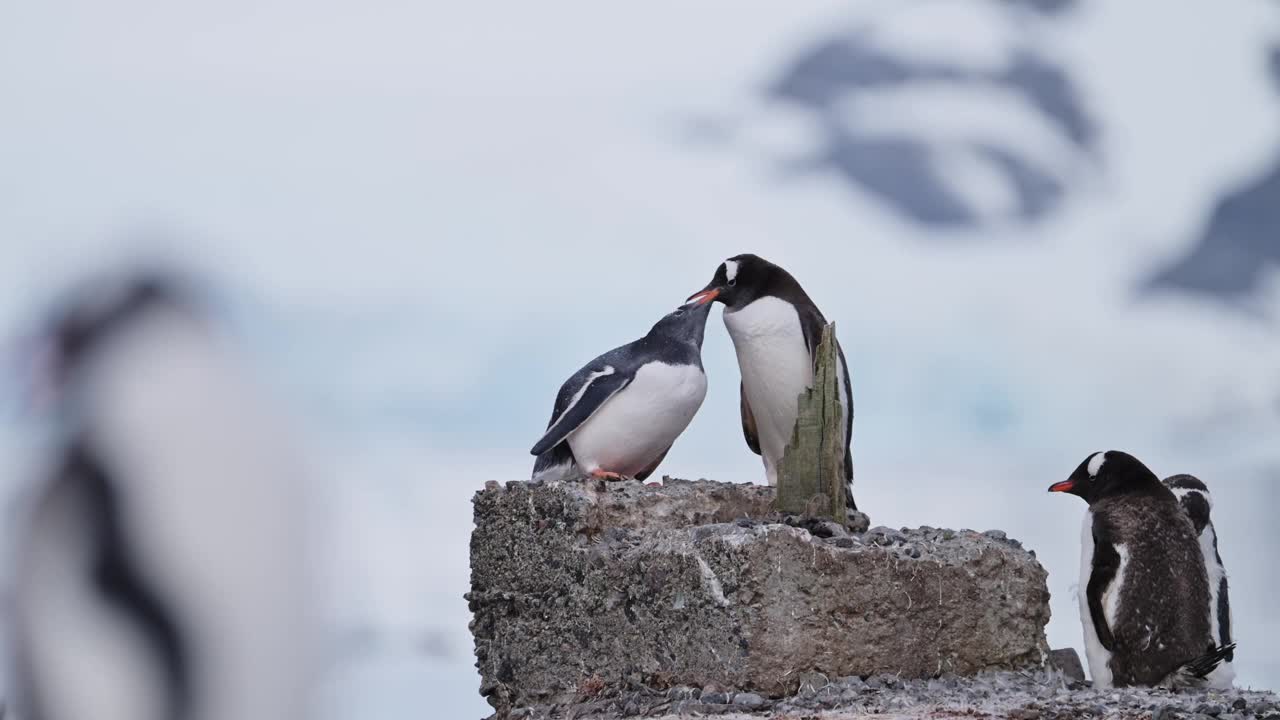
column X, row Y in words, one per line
column 1143, row 584
column 775, row 329
column 618, row 415
column 159, row 568
column 1196, row 502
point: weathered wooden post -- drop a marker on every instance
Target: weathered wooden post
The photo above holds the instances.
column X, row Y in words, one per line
column 811, row 474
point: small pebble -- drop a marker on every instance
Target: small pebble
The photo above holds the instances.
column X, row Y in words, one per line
column 813, row 682
column 1239, row 704
column 683, row 693
column 1211, row 709
column 844, row 542
column 715, row 698
column 853, row 682
column 749, row 700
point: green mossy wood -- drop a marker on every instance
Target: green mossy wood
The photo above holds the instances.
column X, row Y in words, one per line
column 811, row 474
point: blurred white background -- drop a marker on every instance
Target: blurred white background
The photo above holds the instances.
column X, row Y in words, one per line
column 1044, row 228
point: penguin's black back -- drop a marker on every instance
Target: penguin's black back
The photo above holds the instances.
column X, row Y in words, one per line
column 1160, row 622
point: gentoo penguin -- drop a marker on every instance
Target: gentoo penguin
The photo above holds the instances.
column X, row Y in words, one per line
column 618, row 416
column 1196, row 502
column 775, row 329
column 159, row 568
column 1143, row 584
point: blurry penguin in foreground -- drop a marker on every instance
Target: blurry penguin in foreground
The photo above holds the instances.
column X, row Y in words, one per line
column 159, row 572
column 1143, row 584
column 1196, row 502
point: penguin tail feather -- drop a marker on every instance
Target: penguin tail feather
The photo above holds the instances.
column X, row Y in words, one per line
column 1194, row 672
column 557, row 463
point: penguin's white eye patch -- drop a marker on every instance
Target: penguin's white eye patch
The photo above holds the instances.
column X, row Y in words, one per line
column 1095, row 463
column 731, row 271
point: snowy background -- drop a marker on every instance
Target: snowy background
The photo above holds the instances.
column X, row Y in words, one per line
column 1044, row 228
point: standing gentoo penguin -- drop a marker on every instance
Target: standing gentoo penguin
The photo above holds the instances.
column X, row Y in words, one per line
column 1143, row 584
column 776, row 329
column 1194, row 497
column 618, row 416
column 159, row 571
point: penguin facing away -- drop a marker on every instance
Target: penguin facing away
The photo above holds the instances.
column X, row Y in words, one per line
column 1144, row 588
column 1193, row 495
column 775, row 328
column 159, row 566
column 619, row 414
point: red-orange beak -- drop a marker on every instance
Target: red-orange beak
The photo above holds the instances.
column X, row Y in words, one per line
column 1064, row 486
column 704, row 297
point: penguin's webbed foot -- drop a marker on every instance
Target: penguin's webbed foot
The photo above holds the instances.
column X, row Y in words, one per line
column 606, row 475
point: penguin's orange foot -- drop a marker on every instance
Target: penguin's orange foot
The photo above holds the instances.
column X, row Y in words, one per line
column 606, row 475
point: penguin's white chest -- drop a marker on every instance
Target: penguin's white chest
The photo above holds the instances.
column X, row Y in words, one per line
column 1099, row 658
column 776, row 368
column 641, row 421
column 1224, row 675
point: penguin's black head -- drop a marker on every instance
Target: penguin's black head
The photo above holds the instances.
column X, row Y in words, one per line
column 97, row 313
column 686, row 323
column 1106, row 474
column 1193, row 496
column 740, row 280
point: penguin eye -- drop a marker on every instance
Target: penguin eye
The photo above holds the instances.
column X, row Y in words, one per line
column 733, row 282
column 678, row 313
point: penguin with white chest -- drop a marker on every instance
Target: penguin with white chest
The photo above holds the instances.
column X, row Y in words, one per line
column 1143, row 585
column 776, row 329
column 1193, row 496
column 619, row 414
column 159, row 568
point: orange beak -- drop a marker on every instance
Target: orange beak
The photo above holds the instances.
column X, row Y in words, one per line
column 703, row 297
column 1064, row 486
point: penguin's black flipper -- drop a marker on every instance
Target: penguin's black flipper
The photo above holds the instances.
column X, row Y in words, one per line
column 748, row 420
column 848, row 423
column 589, row 396
column 1224, row 619
column 1106, row 561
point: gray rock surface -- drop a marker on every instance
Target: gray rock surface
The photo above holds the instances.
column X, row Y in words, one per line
column 588, row 590
column 1000, row 695
column 1067, row 662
